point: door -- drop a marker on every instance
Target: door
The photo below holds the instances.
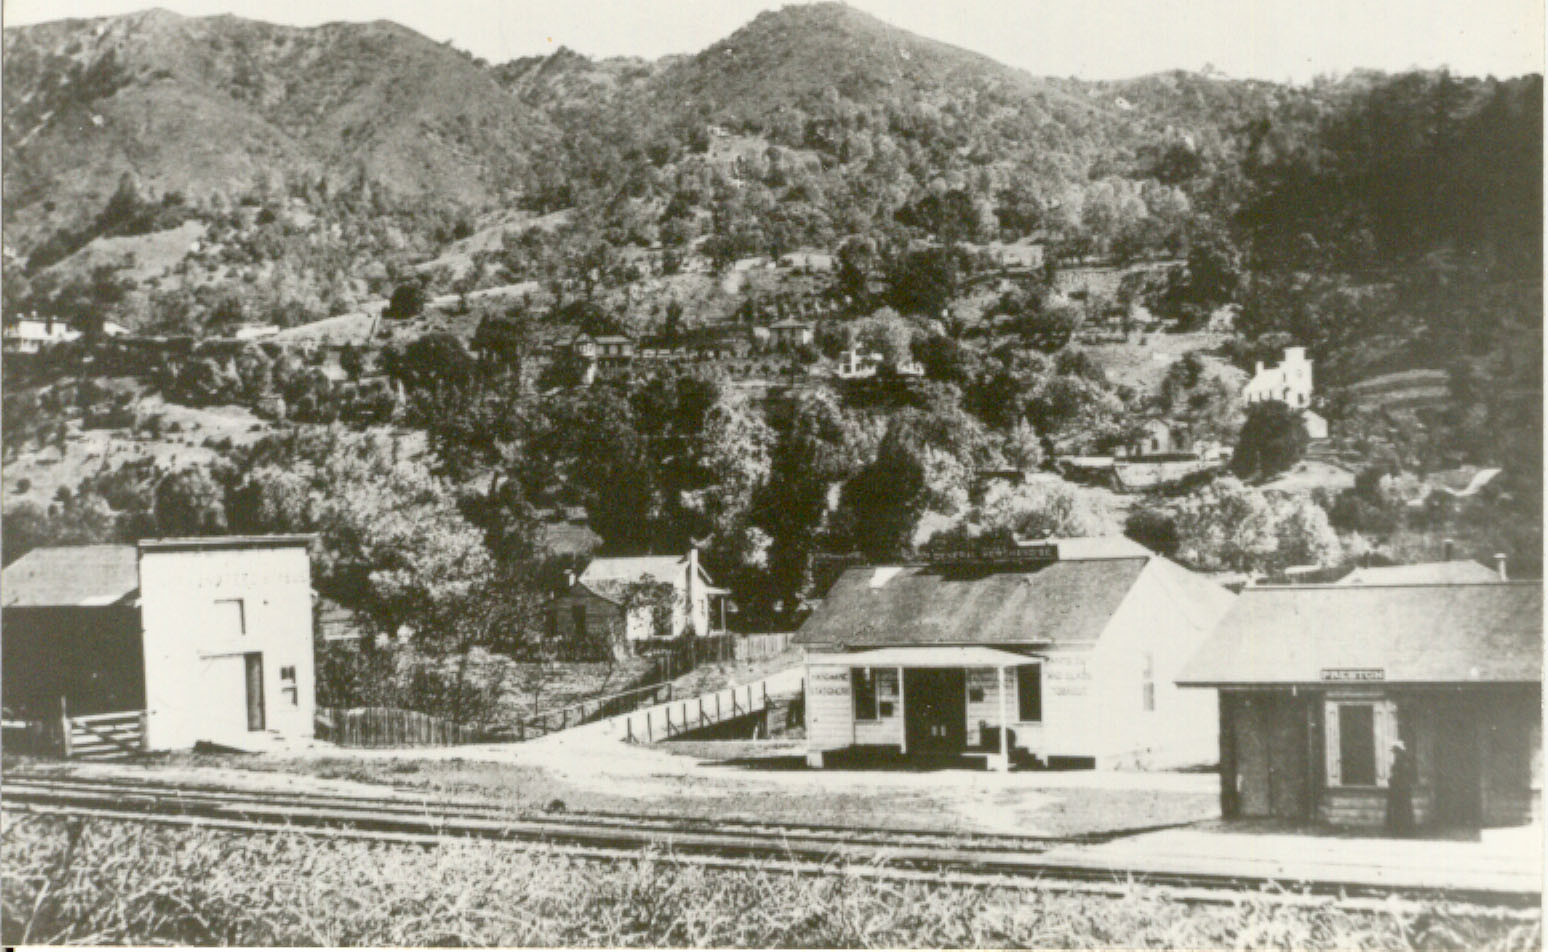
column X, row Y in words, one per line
column 1458, row 773
column 1250, row 726
column 935, row 710
column 254, row 679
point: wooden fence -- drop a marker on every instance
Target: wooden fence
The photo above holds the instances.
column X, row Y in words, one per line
column 104, row 736
column 390, row 727
column 592, row 709
column 666, row 721
column 758, row 647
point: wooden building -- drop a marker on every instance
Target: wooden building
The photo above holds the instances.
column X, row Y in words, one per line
column 205, row 639
column 593, row 616
column 1319, row 684
column 1060, row 652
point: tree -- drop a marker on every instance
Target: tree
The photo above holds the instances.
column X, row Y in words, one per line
column 883, row 503
column 408, row 300
column 1271, row 440
column 1225, row 525
column 190, row 502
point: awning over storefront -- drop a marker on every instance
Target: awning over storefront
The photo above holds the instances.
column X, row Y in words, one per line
column 970, row 656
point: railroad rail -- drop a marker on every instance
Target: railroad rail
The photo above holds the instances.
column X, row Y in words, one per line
column 975, row 859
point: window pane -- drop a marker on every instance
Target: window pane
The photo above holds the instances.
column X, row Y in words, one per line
column 1357, row 744
column 1029, row 692
column 863, row 688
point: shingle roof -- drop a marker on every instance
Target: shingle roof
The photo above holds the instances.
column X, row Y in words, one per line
column 1413, row 633
column 71, row 575
column 1458, row 571
column 1062, row 602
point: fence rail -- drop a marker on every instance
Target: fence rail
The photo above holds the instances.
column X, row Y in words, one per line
column 390, row 727
column 592, row 709
column 666, row 721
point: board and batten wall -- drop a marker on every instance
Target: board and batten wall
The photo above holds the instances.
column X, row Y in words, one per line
column 195, row 672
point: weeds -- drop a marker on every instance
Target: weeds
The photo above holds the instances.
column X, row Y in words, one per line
column 96, row 882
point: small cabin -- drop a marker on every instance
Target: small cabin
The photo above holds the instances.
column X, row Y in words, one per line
column 1321, row 685
column 592, row 614
column 206, row 639
column 1059, row 652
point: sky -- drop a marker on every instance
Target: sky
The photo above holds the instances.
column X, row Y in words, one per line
column 1279, row 40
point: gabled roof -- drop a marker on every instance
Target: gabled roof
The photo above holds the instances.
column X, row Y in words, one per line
column 1056, row 602
column 80, row 575
column 1427, row 634
column 1455, row 572
column 609, row 576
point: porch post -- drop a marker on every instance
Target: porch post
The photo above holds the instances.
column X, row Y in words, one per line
column 1004, row 764
column 902, row 713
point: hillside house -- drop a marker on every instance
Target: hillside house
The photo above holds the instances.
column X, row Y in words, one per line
column 1289, row 381
column 1157, row 437
column 788, row 333
column 1062, row 651
column 1320, row 685
column 209, row 639
column 594, row 611
column 601, row 353
column 31, row 336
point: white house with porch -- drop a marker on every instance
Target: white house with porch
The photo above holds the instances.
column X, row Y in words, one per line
column 1061, row 652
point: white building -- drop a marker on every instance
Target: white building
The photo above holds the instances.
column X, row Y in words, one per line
column 29, row 335
column 1289, row 382
column 1060, row 651
column 594, row 610
column 205, row 639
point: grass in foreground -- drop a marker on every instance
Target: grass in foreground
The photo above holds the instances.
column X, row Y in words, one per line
column 74, row 881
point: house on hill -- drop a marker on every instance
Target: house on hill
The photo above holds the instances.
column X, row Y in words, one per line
column 790, row 333
column 1321, row 686
column 31, row 336
column 1289, row 381
column 175, row 640
column 602, row 353
column 596, row 609
column 1056, row 652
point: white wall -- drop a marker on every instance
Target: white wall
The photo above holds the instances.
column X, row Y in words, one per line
column 195, row 684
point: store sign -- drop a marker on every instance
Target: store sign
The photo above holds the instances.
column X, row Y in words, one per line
column 1354, row 674
column 833, row 682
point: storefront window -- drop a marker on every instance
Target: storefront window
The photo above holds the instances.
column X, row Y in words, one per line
column 863, row 689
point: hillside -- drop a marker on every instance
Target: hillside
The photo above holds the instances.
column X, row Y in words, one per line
column 219, row 105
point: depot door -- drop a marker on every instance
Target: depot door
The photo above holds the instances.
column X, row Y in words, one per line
column 1458, row 773
column 935, row 710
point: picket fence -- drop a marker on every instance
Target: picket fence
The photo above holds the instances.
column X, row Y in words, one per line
column 390, row 727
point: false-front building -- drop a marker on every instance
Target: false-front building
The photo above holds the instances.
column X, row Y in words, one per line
column 1318, row 684
column 205, row 639
column 1062, row 652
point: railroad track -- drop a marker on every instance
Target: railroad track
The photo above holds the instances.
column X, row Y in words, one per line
column 812, row 849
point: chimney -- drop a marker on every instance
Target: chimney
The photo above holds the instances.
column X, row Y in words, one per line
column 1448, row 550
column 1499, row 566
column 569, row 579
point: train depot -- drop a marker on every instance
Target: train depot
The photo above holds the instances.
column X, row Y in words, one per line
column 1060, row 653
column 162, row 644
column 1365, row 705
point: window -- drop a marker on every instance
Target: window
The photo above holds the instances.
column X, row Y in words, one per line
column 1357, row 744
column 288, row 685
column 863, row 688
column 1148, row 699
column 1029, row 693
column 230, row 618
column 1359, row 735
